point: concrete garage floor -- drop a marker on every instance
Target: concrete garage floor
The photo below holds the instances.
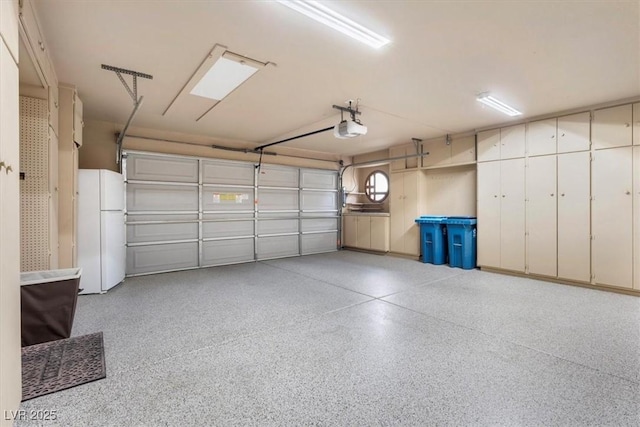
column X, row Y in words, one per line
column 349, row 338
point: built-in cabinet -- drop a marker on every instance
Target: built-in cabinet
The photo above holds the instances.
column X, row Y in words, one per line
column 406, row 163
column 501, row 214
column 10, row 388
column 70, row 122
column 576, row 194
column 370, row 232
column 407, row 196
column 446, row 152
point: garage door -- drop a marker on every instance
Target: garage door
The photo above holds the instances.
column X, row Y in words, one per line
column 187, row 212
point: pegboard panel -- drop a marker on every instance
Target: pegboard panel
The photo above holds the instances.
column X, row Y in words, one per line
column 34, row 188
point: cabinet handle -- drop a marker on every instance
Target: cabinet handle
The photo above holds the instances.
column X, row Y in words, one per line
column 551, row 194
column 55, row 104
column 562, row 134
column 503, row 196
column 628, row 192
column 553, row 136
column 495, row 195
column 627, row 125
column 41, row 45
column 562, row 194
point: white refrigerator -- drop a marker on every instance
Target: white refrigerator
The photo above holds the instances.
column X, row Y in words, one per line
column 101, row 230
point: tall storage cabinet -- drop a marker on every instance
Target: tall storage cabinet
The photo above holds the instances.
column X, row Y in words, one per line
column 613, row 217
column 406, row 202
column 501, row 214
column 70, row 133
column 574, row 216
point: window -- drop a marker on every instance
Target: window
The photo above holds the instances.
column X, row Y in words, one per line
column 376, row 187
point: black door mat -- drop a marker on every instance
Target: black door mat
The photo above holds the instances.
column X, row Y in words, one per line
column 58, row 365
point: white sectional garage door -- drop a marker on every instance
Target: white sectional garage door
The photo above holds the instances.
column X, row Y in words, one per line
column 188, row 212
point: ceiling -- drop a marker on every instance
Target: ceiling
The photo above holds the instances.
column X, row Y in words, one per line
column 539, row 56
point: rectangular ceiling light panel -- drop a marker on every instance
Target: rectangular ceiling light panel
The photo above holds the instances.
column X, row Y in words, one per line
column 496, row 104
column 226, row 74
column 328, row 17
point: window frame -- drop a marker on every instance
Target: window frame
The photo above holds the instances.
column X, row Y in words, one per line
column 368, row 187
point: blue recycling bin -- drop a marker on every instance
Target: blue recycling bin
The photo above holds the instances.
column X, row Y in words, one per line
column 462, row 241
column 433, row 239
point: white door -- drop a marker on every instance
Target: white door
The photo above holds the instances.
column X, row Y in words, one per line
column 111, row 191
column 396, row 208
column 574, row 216
column 489, row 145
column 574, row 132
column 113, row 249
column 489, row 214
column 611, row 127
column 541, row 137
column 541, row 216
column 612, row 217
column 512, row 142
column 411, row 212
column 512, row 215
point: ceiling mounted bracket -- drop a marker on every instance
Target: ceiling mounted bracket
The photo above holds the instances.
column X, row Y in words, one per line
column 416, row 142
column 133, row 93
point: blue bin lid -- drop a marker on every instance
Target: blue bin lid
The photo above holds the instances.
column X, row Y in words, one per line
column 431, row 219
column 462, row 220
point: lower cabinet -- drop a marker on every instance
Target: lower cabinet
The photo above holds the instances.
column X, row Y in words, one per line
column 369, row 232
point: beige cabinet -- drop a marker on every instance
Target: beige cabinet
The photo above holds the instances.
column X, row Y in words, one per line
column 406, row 163
column 54, row 108
column 636, row 217
column 512, row 142
column 369, row 232
column 436, row 152
column 501, row 214
column 9, row 25
column 350, row 231
column 541, row 137
column 489, row 145
column 463, row 150
column 541, row 216
column 636, row 124
column 612, row 127
column 406, row 195
column 574, row 132
column 53, row 200
column 10, row 389
column 612, row 209
column 574, row 216
column 70, row 139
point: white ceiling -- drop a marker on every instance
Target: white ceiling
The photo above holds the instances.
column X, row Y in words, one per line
column 539, row 56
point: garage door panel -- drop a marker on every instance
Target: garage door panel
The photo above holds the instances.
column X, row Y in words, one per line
column 227, row 199
column 143, row 233
column 224, row 229
column 317, row 243
column 164, row 257
column 319, row 224
column 277, row 247
column 275, row 199
column 220, row 252
column 319, row 200
column 318, row 179
column 133, row 217
column 152, row 197
column 142, row 167
column 277, row 226
column 227, row 173
column 278, row 176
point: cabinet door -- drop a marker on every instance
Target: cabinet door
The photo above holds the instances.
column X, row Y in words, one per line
column 349, row 230
column 574, row 216
column 636, row 216
column 78, row 122
column 436, row 153
column 411, row 162
column 541, row 137
column 541, row 216
column 54, row 103
column 9, row 25
column 488, row 145
column 512, row 142
column 53, row 200
column 74, row 212
column 512, row 215
column 574, row 132
column 397, row 165
column 612, row 127
column 380, row 233
column 463, row 150
column 636, row 124
column 612, row 217
column 364, row 232
column 396, row 209
column 489, row 214
column 411, row 212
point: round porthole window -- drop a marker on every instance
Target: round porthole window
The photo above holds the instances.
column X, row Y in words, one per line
column 376, row 187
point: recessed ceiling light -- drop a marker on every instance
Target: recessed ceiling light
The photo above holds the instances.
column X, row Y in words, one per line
column 225, row 75
column 328, row 17
column 496, row 104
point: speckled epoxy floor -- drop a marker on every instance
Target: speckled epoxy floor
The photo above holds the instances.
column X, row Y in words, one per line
column 350, row 338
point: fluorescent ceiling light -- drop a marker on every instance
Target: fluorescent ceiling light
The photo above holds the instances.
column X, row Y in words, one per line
column 328, row 17
column 226, row 74
column 492, row 102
